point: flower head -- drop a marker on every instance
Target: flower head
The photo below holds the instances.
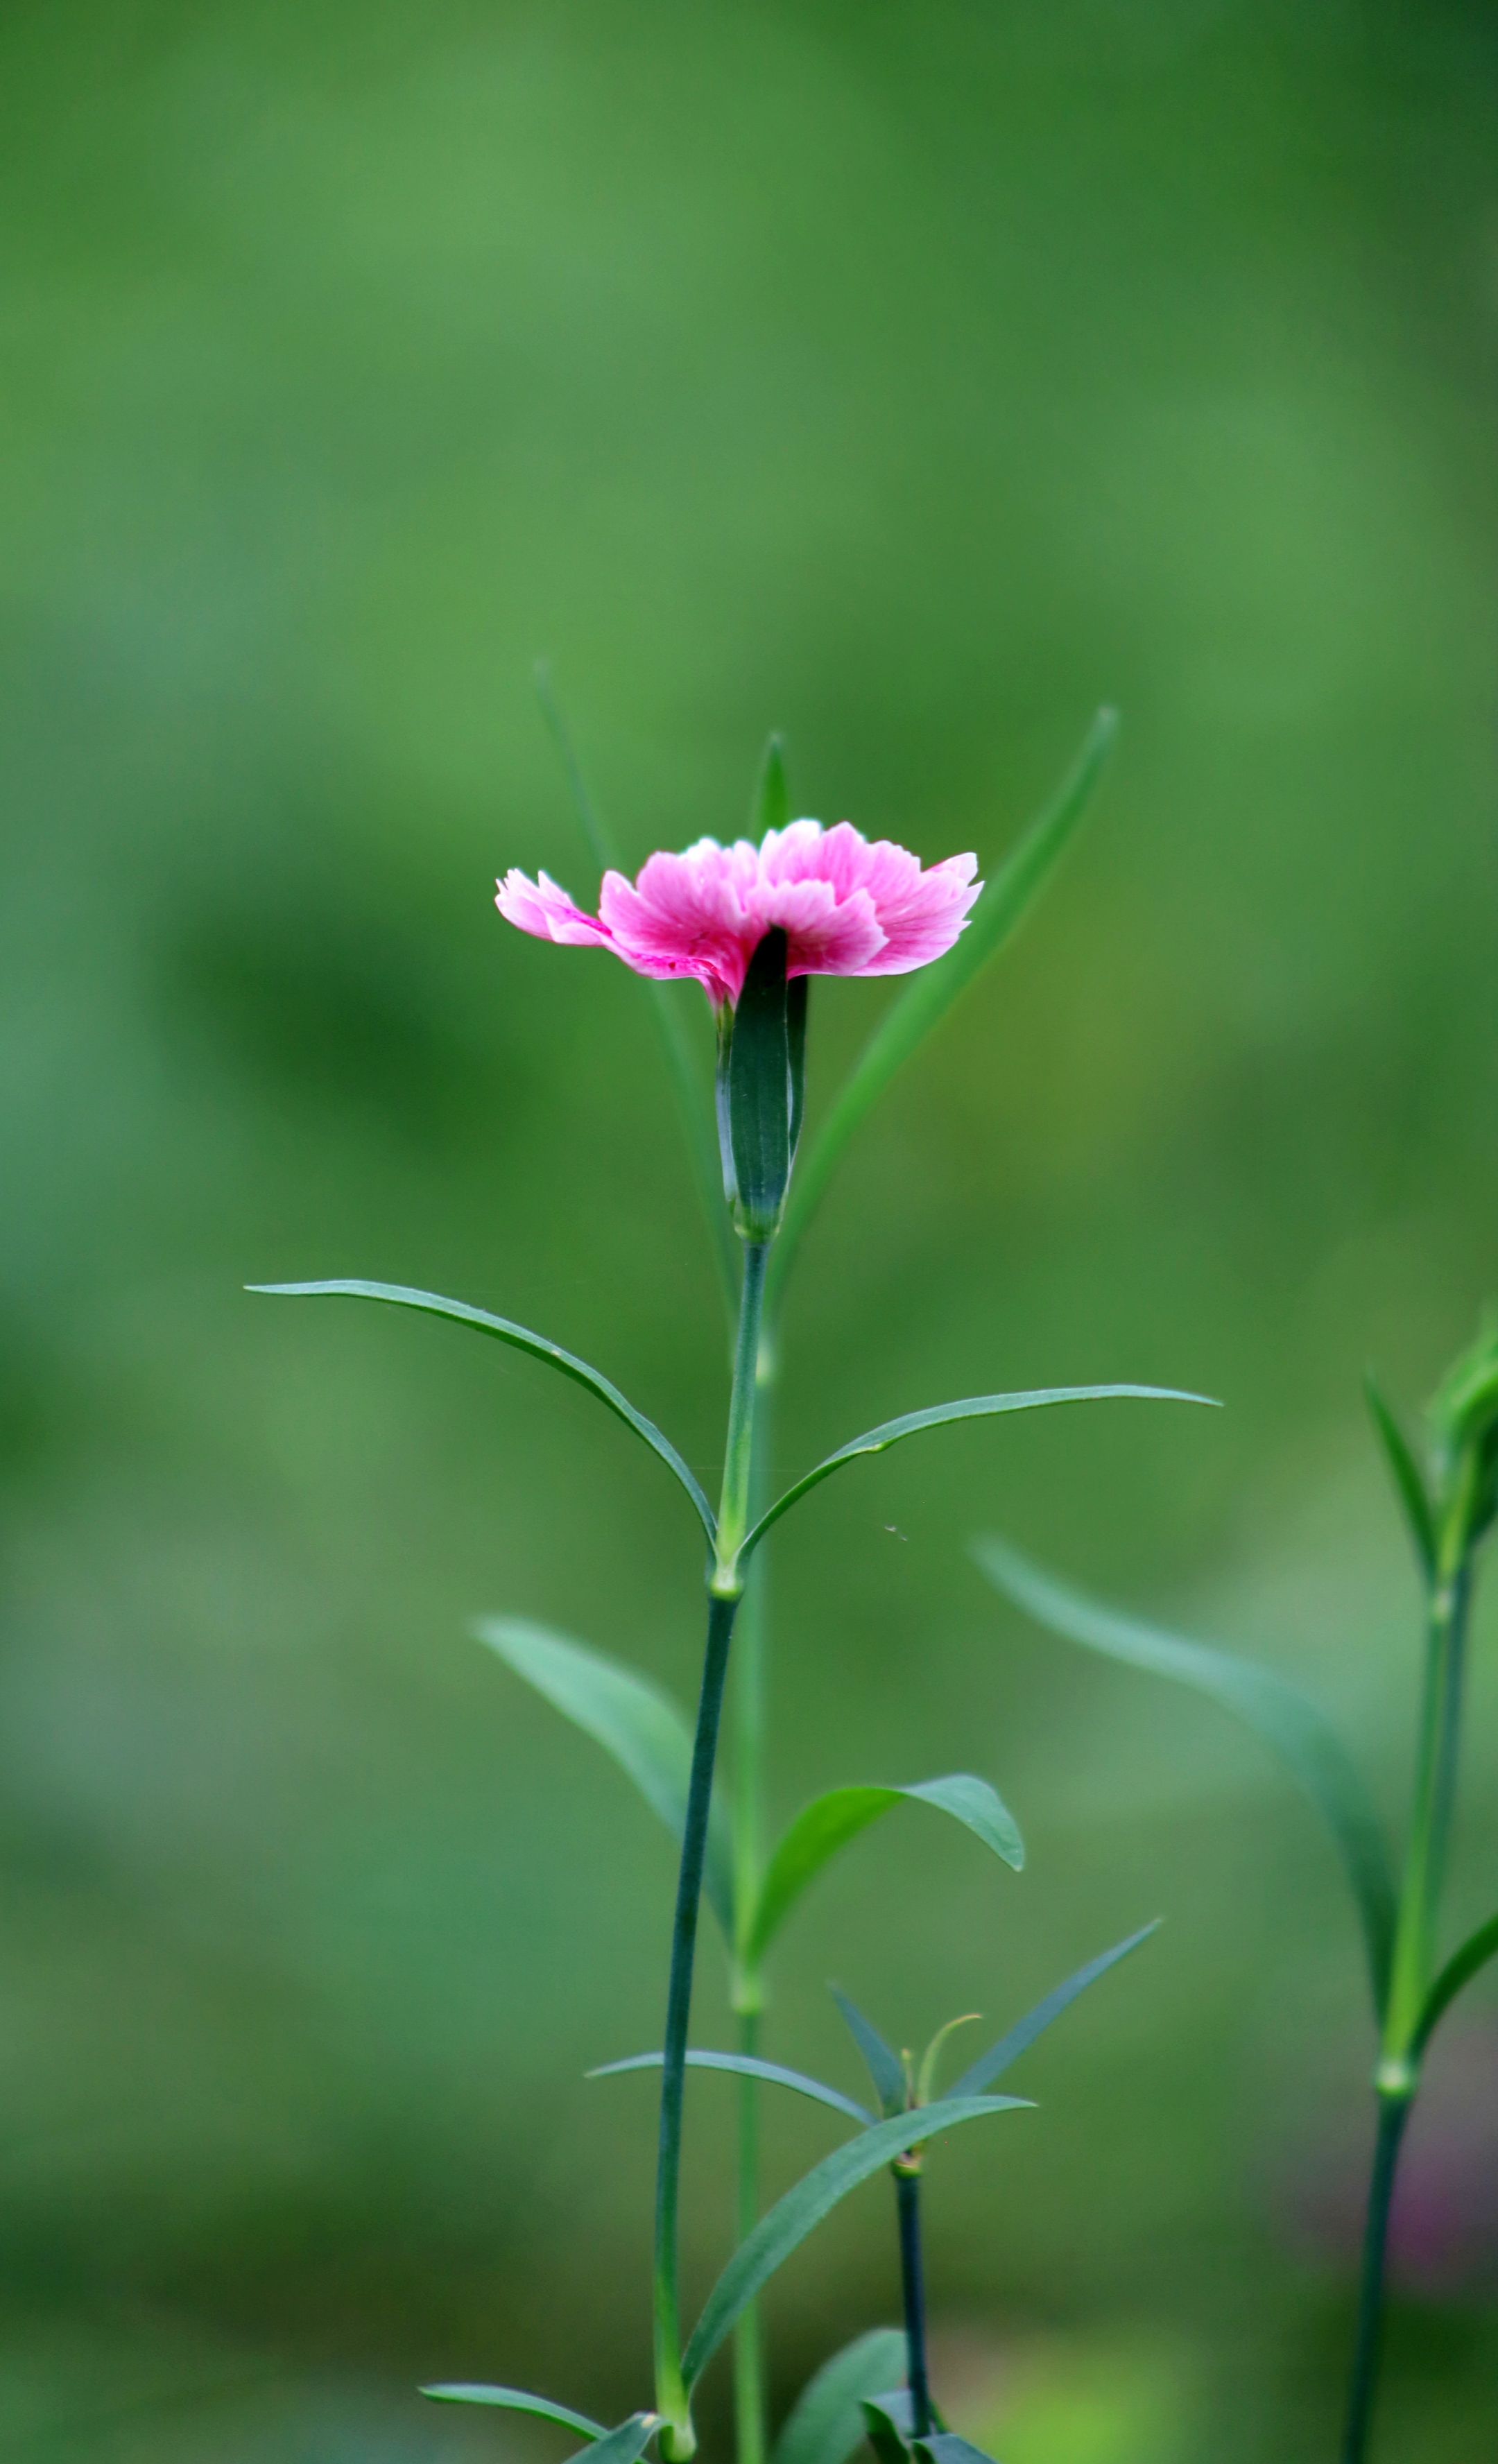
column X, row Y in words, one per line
column 847, row 906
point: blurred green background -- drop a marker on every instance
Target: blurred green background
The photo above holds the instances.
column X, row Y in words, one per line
column 913, row 380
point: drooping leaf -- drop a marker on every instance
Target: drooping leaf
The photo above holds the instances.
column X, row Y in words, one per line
column 881, row 2061
column 786, row 2225
column 1459, row 1970
column 1279, row 1714
column 747, row 2066
column 1019, row 2038
column 520, row 1337
column 831, row 1821
column 825, row 2424
column 973, row 1407
column 632, row 1720
column 1414, row 1496
column 515, row 2400
column 929, row 995
column 690, row 1095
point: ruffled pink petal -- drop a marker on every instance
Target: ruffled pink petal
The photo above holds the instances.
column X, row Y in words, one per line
column 543, row 907
column 923, row 921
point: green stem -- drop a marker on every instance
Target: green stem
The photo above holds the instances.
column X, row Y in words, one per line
column 725, row 1586
column 749, row 2422
column 1394, row 2111
column 750, row 2426
column 907, row 2192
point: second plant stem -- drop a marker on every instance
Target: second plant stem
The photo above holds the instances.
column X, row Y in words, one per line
column 725, row 1588
column 907, row 2192
column 750, row 2426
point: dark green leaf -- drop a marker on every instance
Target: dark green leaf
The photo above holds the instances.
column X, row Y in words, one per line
column 801, row 2209
column 1407, row 1480
column 944, row 2447
column 503, row 1330
column 632, row 1720
column 1281, row 1715
column 825, row 2424
column 929, row 994
column 515, row 2400
column 881, row 2061
column 1018, row 2040
column 621, row 2446
column 760, row 1092
column 747, row 2066
column 827, row 1824
column 665, row 1000
column 1459, row 1970
column 886, row 2426
column 973, row 1407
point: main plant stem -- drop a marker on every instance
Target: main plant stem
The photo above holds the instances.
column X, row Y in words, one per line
column 1398, row 2077
column 725, row 1588
column 750, row 2426
column 907, row 2192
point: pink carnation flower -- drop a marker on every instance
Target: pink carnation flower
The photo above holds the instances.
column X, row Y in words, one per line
column 846, row 905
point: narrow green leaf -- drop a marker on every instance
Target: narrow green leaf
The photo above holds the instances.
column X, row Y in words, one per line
column 771, row 807
column 633, row 1720
column 801, row 2209
column 1459, row 1970
column 926, row 2076
column 621, row 2446
column 881, row 2061
column 1019, row 2038
column 831, row 1821
column 1279, row 1714
column 973, row 1407
column 515, row 2400
column 929, row 995
column 944, row 2447
column 747, row 2066
column 665, row 1000
column 895, row 2415
column 760, row 1090
column 1414, row 1496
column 825, row 2424
column 504, row 1331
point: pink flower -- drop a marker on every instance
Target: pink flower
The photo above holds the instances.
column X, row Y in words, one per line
column 846, row 906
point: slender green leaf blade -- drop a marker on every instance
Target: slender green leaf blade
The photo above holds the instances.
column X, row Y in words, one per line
column 515, row 2400
column 1299, row 1733
column 1459, row 1970
column 825, row 2424
column 945, row 2447
column 972, row 1407
column 929, row 994
column 881, row 2061
column 1414, row 1496
column 760, row 1090
column 504, row 1331
column 633, row 1720
column 1019, row 2038
column 621, row 2446
column 895, row 2411
column 690, row 1095
column 747, row 2066
column 771, row 809
column 788, row 2224
column 831, row 1821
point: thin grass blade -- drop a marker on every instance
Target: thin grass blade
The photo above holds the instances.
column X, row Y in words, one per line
column 881, row 2061
column 1459, row 1970
column 973, row 1407
column 1408, row 1480
column 826, row 1826
column 788, row 2224
column 515, row 2400
column 1278, row 1712
column 634, row 1720
column 748, row 2066
column 1019, row 2038
column 825, row 2423
column 928, row 995
column 521, row 1338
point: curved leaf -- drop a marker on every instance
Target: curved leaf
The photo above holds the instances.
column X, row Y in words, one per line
column 621, row 2446
column 801, row 2209
column 1414, row 1496
column 929, row 995
column 831, row 1821
column 825, row 2424
column 632, row 1720
column 747, row 2066
column 945, row 2447
column 515, row 2400
column 882, row 2062
column 504, row 1331
column 973, row 1407
column 1284, row 1719
column 1459, row 1970
column 1019, row 2038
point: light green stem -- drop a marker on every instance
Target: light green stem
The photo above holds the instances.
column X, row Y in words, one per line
column 750, row 2426
column 678, row 2438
